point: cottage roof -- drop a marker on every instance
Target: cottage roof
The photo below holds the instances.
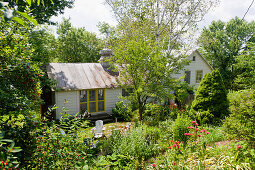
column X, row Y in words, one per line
column 78, row 76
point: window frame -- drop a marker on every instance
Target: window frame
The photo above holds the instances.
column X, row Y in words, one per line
column 201, row 76
column 88, row 101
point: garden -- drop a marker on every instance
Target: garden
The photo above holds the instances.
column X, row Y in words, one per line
column 168, row 137
column 214, row 131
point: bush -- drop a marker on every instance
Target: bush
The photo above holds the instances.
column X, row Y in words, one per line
column 240, row 123
column 210, row 99
column 139, row 143
column 122, row 111
column 156, row 113
column 180, row 127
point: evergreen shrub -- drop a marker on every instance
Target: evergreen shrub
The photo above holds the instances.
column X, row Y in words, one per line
column 210, row 103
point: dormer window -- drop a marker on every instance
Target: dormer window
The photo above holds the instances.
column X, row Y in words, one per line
column 194, row 58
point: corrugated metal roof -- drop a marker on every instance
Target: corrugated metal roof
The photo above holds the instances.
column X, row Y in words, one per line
column 77, row 76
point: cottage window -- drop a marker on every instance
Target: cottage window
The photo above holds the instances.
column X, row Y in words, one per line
column 194, row 58
column 199, row 76
column 187, row 77
column 92, row 100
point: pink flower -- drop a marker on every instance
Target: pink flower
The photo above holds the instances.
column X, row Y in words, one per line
column 174, row 145
column 176, row 142
column 171, row 141
column 193, row 122
column 238, row 146
column 153, row 165
column 201, row 131
column 196, row 129
column 169, row 147
column 174, row 163
column 207, row 133
column 185, row 134
column 182, row 141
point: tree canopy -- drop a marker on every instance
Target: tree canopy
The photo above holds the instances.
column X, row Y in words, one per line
column 222, row 41
column 149, row 34
column 76, row 44
column 44, row 10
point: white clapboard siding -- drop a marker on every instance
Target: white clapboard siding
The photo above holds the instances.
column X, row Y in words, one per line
column 68, row 100
column 111, row 97
column 199, row 64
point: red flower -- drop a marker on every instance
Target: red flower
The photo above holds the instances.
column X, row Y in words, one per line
column 174, row 145
column 176, row 142
column 174, row 163
column 201, row 131
column 199, row 135
column 153, row 165
column 197, row 124
column 204, row 130
column 185, row 134
column 6, row 163
column 238, row 146
column 171, row 141
column 207, row 133
column 193, row 122
column 2, row 162
column 196, row 129
column 178, row 146
column 182, row 141
column 169, row 147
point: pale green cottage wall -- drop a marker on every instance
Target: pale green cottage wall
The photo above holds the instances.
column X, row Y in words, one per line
column 69, row 100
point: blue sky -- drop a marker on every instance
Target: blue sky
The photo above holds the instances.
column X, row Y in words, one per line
column 88, row 13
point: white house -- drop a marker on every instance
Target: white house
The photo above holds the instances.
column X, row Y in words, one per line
column 196, row 69
column 93, row 87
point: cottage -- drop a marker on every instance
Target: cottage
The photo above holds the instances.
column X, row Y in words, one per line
column 93, row 87
column 196, row 69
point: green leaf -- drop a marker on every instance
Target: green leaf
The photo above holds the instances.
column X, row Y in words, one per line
column 29, row 2
column 16, row 150
column 19, row 20
column 6, row 140
column 25, row 15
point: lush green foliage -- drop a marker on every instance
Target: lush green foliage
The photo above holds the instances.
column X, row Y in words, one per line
column 122, row 111
column 180, row 127
column 139, row 143
column 244, row 69
column 221, row 42
column 147, row 37
column 210, row 104
column 8, row 152
column 59, row 149
column 76, row 44
column 42, row 10
column 20, row 76
column 154, row 113
column 43, row 43
column 240, row 123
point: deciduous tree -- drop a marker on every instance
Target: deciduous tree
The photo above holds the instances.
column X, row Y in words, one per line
column 149, row 34
column 221, row 42
column 77, row 44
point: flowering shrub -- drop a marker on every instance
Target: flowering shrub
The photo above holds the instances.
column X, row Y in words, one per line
column 180, row 128
column 8, row 152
